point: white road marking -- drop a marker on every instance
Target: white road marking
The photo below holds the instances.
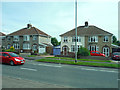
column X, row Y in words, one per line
column 29, row 69
column 48, row 65
column 99, row 70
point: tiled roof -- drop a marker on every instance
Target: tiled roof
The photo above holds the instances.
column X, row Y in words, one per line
column 28, row 31
column 89, row 30
column 2, row 34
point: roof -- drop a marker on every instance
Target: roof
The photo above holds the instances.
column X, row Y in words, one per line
column 28, row 31
column 89, row 30
column 2, row 34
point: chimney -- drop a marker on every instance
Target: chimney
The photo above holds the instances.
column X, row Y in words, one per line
column 86, row 24
column 29, row 26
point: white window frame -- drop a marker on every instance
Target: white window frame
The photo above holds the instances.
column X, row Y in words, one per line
column 65, row 39
column 73, row 48
column 16, row 45
column 34, row 37
column 78, row 39
column 90, row 47
column 26, row 38
column 26, row 45
column 8, row 38
column 16, row 38
column 93, row 39
column 106, row 39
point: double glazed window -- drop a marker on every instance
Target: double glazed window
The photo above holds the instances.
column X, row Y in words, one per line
column 73, row 48
column 26, row 46
column 93, row 39
column 16, row 38
column 65, row 39
column 16, row 45
column 34, row 37
column 26, row 38
column 74, row 39
column 93, row 48
column 106, row 39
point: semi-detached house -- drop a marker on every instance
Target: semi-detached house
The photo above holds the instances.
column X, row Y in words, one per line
column 90, row 37
column 29, row 39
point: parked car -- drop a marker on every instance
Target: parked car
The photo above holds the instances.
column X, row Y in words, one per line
column 116, row 56
column 11, row 58
column 96, row 53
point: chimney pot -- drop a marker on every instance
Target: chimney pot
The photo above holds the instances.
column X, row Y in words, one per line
column 29, row 26
column 86, row 23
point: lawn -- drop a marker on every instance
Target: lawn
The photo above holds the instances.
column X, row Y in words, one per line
column 66, row 58
column 80, row 63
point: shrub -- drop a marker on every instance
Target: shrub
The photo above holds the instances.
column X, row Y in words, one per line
column 12, row 49
column 83, row 51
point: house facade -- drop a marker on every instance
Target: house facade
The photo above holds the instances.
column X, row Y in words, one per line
column 2, row 37
column 28, row 39
column 88, row 36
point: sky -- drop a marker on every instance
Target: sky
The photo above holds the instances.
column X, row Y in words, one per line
column 57, row 17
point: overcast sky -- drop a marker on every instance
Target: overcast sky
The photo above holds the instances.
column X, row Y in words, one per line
column 57, row 17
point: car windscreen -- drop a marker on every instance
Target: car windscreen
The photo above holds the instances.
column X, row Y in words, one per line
column 13, row 55
column 117, row 53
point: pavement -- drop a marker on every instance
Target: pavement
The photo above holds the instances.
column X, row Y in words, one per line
column 21, row 83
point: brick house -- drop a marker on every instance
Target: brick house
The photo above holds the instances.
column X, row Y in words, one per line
column 2, row 37
column 90, row 37
column 28, row 39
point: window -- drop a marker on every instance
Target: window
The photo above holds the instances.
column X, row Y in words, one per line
column 16, row 45
column 93, row 48
column 34, row 47
column 105, row 39
column 16, row 38
column 5, row 55
column 73, row 48
column 93, row 39
column 26, row 38
column 8, row 38
column 3, row 38
column 34, row 37
column 65, row 39
column 26, row 46
column 78, row 39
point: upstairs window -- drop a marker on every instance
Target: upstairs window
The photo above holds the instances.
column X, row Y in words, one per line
column 16, row 45
column 8, row 38
column 106, row 39
column 93, row 39
column 65, row 39
column 34, row 37
column 16, row 38
column 26, row 38
column 78, row 39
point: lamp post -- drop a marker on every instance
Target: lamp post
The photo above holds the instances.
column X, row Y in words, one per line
column 75, row 31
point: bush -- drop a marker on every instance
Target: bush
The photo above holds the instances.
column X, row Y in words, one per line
column 83, row 51
column 12, row 49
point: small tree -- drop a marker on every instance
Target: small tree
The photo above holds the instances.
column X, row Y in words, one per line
column 83, row 51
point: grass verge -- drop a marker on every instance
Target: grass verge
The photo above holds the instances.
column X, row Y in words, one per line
column 31, row 55
column 65, row 58
column 80, row 63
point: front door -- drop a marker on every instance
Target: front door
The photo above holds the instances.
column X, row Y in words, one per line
column 106, row 51
column 65, row 50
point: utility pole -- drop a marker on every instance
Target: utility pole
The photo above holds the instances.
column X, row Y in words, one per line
column 75, row 31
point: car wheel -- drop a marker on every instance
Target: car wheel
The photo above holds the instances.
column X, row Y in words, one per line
column 11, row 63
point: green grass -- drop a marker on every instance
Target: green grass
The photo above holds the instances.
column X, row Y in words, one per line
column 31, row 55
column 79, row 63
column 66, row 58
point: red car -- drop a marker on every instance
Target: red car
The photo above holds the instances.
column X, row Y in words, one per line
column 11, row 58
column 96, row 53
column 116, row 56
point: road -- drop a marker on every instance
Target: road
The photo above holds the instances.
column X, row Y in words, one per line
column 63, row 75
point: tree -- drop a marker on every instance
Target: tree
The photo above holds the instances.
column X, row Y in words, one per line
column 54, row 41
column 114, row 39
